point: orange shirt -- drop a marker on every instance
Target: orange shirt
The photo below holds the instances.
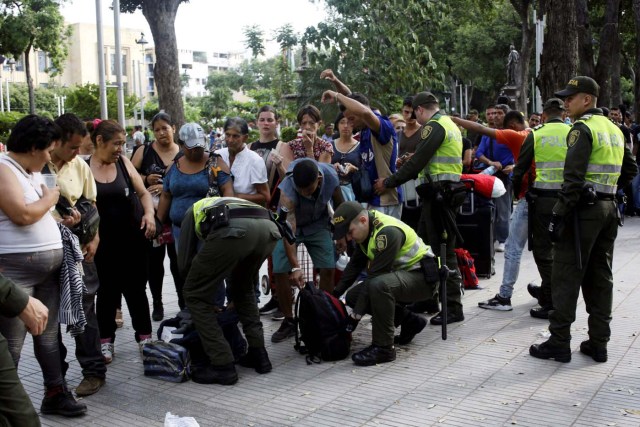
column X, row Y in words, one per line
column 513, row 139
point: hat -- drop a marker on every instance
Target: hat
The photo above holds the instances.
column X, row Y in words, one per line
column 553, row 103
column 423, row 98
column 192, row 135
column 579, row 84
column 342, row 217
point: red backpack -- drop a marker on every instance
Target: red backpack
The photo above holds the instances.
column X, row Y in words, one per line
column 467, row 268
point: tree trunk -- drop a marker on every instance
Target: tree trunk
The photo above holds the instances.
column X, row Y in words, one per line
column 616, row 64
column 27, row 69
column 559, row 59
column 608, row 37
column 525, row 10
column 585, row 40
column 161, row 16
column 636, row 92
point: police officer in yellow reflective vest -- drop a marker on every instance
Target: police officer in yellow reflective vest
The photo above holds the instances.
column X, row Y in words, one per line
column 400, row 268
column 237, row 236
column 546, row 148
column 437, row 163
column 584, row 224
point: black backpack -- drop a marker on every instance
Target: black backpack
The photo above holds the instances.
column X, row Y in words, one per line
column 321, row 321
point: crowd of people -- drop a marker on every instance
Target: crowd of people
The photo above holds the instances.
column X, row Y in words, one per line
column 385, row 189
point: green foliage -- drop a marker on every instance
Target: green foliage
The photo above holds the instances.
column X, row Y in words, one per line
column 288, row 133
column 45, row 102
column 84, row 101
column 7, row 121
column 254, row 40
column 34, row 24
column 254, row 135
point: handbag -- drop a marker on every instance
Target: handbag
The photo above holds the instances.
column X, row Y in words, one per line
column 361, row 184
column 89, row 223
column 137, row 210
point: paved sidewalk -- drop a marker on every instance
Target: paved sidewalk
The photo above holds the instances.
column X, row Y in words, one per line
column 481, row 376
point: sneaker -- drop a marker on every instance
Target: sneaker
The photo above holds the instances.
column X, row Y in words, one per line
column 107, row 351
column 374, row 355
column 497, row 303
column 277, row 315
column 158, row 311
column 60, row 401
column 287, row 330
column 119, row 319
column 89, row 386
column 500, row 247
column 269, row 307
column 451, row 318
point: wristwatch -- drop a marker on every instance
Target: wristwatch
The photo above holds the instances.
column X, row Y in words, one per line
column 294, row 269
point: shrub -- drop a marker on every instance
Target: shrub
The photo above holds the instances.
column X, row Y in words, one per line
column 288, row 134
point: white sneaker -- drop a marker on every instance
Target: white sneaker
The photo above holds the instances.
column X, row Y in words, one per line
column 108, row 351
column 500, row 247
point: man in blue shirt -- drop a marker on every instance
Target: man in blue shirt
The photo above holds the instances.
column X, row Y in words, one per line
column 305, row 192
column 378, row 143
column 499, row 156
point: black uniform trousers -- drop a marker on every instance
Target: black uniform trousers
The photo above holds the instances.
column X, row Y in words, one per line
column 236, row 252
column 598, row 228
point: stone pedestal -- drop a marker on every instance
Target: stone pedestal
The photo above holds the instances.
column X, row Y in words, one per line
column 512, row 92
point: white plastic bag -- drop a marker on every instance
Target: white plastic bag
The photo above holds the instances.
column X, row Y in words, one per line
column 171, row 420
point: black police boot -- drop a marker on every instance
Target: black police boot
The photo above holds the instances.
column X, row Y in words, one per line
column 548, row 351
column 541, row 312
column 258, row 359
column 451, row 318
column 428, row 306
column 599, row 354
column 60, row 401
column 210, row 374
column 534, row 290
column 411, row 326
column 373, row 355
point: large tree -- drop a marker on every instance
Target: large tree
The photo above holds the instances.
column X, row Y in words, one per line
column 26, row 25
column 559, row 59
column 524, row 8
column 636, row 105
column 161, row 16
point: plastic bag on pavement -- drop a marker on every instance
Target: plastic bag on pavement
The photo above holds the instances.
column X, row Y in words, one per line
column 171, row 420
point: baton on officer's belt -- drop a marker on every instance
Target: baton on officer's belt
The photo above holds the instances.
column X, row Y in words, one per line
column 531, row 206
column 576, row 239
column 443, row 272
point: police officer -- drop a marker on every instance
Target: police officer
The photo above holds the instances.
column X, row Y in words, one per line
column 393, row 255
column 238, row 236
column 546, row 147
column 437, row 162
column 584, row 224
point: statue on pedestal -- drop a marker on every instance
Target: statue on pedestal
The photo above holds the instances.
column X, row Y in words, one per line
column 512, row 66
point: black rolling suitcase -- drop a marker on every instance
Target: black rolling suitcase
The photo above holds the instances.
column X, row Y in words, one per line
column 475, row 222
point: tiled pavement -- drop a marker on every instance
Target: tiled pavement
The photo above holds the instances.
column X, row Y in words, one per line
column 481, row 376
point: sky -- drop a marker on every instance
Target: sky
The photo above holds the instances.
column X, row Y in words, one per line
column 212, row 25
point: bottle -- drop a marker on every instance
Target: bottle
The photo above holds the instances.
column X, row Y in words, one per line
column 489, row 171
column 342, row 262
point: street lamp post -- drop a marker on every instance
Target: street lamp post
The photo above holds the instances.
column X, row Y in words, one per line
column 142, row 42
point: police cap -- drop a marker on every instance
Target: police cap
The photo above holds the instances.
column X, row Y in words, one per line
column 579, row 84
column 342, row 217
column 553, row 103
column 423, row 98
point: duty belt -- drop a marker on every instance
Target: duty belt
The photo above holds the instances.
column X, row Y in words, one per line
column 258, row 213
column 545, row 193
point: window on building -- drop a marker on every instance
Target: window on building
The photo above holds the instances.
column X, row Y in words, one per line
column 42, row 61
column 200, row 57
column 124, row 64
column 112, row 64
column 19, row 66
column 224, row 55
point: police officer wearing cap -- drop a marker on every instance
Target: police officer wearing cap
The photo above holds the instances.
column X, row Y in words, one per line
column 237, row 236
column 584, row 224
column 398, row 265
column 436, row 163
column 545, row 148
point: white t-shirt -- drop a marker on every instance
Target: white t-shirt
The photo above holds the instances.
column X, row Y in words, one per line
column 247, row 170
column 40, row 236
column 138, row 137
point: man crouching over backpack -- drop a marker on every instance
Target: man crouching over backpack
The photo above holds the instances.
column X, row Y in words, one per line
column 393, row 256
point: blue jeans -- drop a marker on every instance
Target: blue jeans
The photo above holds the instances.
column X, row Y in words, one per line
column 518, row 233
column 635, row 185
column 38, row 274
column 504, row 206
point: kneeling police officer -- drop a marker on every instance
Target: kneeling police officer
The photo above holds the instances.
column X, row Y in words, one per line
column 237, row 236
column 401, row 268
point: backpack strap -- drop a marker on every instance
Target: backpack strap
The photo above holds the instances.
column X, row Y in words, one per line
column 296, row 320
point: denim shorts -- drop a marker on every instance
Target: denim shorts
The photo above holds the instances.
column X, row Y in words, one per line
column 320, row 248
